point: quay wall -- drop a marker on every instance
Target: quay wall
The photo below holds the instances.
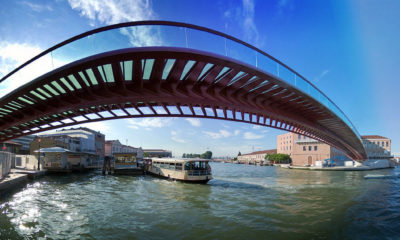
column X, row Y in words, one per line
column 7, row 161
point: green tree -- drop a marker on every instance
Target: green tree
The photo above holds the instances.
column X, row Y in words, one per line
column 206, row 155
column 146, row 154
column 184, row 155
column 278, row 158
column 239, row 154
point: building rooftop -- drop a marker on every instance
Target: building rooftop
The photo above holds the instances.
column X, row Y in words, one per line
column 12, row 143
column 373, row 137
column 270, row 151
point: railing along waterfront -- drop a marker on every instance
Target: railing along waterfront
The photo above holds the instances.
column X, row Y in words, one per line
column 6, row 160
column 166, row 34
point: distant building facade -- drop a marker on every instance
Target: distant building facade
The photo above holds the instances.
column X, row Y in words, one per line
column 160, row 153
column 81, row 139
column 10, row 146
column 306, row 151
column 377, row 147
column 25, row 142
column 48, row 142
column 255, row 158
column 114, row 147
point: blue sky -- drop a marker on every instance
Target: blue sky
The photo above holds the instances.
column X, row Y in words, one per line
column 348, row 49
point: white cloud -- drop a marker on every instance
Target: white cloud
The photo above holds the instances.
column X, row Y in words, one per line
column 174, row 137
column 220, row 134
column 248, row 20
column 113, row 11
column 251, row 136
column 148, row 123
column 195, row 122
column 323, row 73
column 13, row 55
column 103, row 127
column 256, row 127
column 37, row 7
column 236, row 133
column 284, row 5
column 117, row 11
column 245, row 17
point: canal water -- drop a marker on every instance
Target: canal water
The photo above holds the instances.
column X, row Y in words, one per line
column 242, row 202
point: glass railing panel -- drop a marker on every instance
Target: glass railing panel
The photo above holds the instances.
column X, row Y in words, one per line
column 167, row 36
column 241, row 53
column 267, row 64
column 73, row 51
column 286, row 75
column 302, row 85
column 315, row 93
column 205, row 41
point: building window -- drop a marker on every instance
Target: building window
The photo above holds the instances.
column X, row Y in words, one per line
column 315, row 148
column 387, row 144
column 309, row 148
column 304, row 148
column 298, row 137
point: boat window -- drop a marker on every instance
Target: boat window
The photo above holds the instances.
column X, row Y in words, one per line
column 178, row 167
column 172, row 166
column 187, row 166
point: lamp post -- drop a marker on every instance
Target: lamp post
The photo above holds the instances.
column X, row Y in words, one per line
column 38, row 168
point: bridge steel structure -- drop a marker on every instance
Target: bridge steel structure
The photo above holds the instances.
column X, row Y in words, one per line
column 166, row 77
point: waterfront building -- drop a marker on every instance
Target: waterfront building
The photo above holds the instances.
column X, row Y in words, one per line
column 53, row 141
column 377, row 147
column 59, row 159
column 82, row 139
column 305, row 151
column 255, row 158
column 114, row 148
column 10, row 146
column 157, row 153
column 25, row 142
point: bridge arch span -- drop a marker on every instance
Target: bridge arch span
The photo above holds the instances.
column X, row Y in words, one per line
column 169, row 82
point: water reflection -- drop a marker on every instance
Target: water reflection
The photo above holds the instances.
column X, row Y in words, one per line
column 241, row 202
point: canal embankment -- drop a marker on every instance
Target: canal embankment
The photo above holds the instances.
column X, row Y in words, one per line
column 367, row 165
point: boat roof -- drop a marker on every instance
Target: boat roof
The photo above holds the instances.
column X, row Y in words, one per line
column 180, row 160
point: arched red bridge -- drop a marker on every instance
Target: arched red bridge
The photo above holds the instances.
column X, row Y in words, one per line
column 171, row 81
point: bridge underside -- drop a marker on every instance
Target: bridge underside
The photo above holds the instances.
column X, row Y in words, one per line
column 168, row 82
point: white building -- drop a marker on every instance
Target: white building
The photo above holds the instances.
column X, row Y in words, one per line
column 115, row 146
column 257, row 157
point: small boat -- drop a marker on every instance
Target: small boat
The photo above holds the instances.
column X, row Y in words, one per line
column 182, row 169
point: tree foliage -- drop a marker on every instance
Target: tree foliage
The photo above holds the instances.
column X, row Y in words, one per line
column 206, row 155
column 278, row 158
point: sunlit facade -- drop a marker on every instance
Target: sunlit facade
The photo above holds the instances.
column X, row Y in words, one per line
column 306, row 151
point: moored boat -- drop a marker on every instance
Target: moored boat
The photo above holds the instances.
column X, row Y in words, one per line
column 182, row 169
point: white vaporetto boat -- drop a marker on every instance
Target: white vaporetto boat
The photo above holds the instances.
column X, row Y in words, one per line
column 182, row 169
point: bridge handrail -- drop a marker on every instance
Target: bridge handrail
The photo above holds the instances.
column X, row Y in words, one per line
column 282, row 70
